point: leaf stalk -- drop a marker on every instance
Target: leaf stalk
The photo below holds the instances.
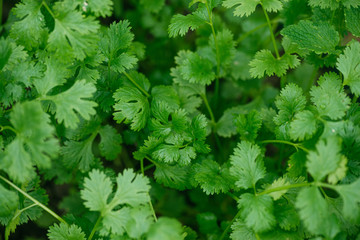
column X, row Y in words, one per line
column 52, row 213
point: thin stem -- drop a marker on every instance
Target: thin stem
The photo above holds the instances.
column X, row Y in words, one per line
column 271, row 33
column 152, row 161
column 23, row 210
column 47, row 8
column 245, row 35
column 136, row 84
column 93, row 231
column 285, row 187
column 2, row 128
column 295, row 145
column 355, row 98
column 216, row 49
column 52, row 213
column 233, row 196
column 223, row 235
column 152, row 209
column 212, row 118
column 149, row 167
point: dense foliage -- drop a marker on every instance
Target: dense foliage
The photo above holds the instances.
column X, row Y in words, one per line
column 179, row 119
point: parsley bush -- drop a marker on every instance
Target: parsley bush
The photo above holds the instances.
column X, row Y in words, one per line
column 202, row 119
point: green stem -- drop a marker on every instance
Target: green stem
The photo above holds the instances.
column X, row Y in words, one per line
column 2, row 128
column 295, row 145
column 271, row 33
column 285, row 187
column 52, row 213
column 136, row 84
column 355, row 98
column 216, row 49
column 212, row 118
column 152, row 161
column 152, row 209
column 48, row 9
column 223, row 235
column 233, row 196
column 93, row 231
column 23, row 210
column 245, row 35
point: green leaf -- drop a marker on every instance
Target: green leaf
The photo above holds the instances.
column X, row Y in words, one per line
column 74, row 34
column 64, row 231
column 34, row 143
column 349, row 65
column 280, row 182
column 351, row 3
column 247, row 7
column 198, row 133
column 303, row 126
column 212, row 177
column 55, row 75
column 241, row 231
column 247, row 165
column 273, row 5
column 78, row 154
column 352, row 19
column 132, row 106
column 97, row 189
column 314, row 212
column 351, row 197
column 167, row 122
column 115, row 45
column 5, row 52
column 166, row 229
column 175, row 154
column 243, row 7
column 266, row 63
column 286, row 215
column 132, row 190
column 320, row 37
column 166, row 94
column 195, row 68
column 257, row 211
column 101, row 8
column 30, row 30
column 290, row 102
column 226, row 44
column 176, row 176
column 248, row 125
column 110, row 143
column 332, row 4
column 140, row 222
column 325, row 159
column 340, row 172
column 329, row 97
column 72, row 102
column 9, row 201
column 180, row 24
